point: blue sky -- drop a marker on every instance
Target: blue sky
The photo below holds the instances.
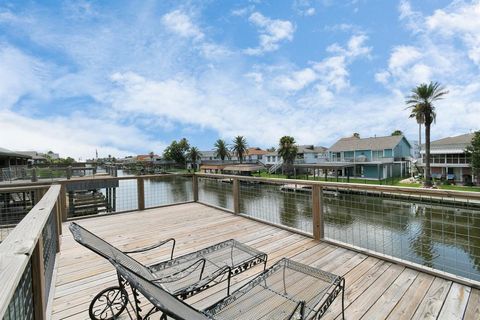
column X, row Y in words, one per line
column 127, row 77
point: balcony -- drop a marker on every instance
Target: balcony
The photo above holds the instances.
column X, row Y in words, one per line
column 314, row 226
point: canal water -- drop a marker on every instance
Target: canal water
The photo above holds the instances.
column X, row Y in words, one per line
column 442, row 234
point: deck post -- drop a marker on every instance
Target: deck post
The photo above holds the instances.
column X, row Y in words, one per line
column 195, row 187
column 236, row 196
column 63, row 202
column 141, row 193
column 317, row 212
column 38, row 281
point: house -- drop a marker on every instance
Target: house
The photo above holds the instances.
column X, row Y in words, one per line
column 13, row 164
column 148, row 158
column 310, row 154
column 254, row 155
column 36, row 157
column 448, row 159
column 271, row 158
column 211, row 157
column 9, row 159
column 372, row 158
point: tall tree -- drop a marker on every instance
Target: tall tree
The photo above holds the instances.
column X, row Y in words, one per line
column 221, row 149
column 420, row 120
column 288, row 151
column 194, row 154
column 473, row 155
column 177, row 151
column 397, row 133
column 239, row 147
column 420, row 103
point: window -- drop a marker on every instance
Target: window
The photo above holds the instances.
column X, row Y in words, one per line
column 437, row 158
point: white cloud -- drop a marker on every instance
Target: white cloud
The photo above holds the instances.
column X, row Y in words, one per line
column 411, row 18
column 297, row 80
column 179, row 22
column 436, row 56
column 460, row 20
column 272, row 32
column 73, row 135
column 243, row 11
column 355, row 47
column 310, row 12
column 444, row 49
column 304, row 7
column 20, row 75
column 333, row 71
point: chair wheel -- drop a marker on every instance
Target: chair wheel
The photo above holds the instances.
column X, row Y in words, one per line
column 108, row 304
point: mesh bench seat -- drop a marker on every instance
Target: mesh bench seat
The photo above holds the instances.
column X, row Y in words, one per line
column 183, row 276
column 287, row 290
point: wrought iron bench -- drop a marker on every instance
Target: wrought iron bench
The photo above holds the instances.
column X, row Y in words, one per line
column 287, row 290
column 182, row 276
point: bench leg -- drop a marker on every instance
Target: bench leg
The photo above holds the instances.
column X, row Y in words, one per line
column 343, row 299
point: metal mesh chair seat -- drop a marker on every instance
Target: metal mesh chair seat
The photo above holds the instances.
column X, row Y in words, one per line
column 183, row 276
column 215, row 262
column 286, row 287
column 287, row 290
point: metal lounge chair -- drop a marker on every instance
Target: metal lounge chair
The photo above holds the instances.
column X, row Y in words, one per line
column 287, row 290
column 182, row 276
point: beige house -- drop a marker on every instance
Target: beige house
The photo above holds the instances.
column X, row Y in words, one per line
column 448, row 159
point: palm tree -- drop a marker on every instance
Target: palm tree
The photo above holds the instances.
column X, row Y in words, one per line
column 288, row 151
column 420, row 120
column 420, row 103
column 221, row 149
column 239, row 147
column 194, row 154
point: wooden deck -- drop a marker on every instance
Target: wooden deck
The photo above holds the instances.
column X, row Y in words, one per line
column 375, row 289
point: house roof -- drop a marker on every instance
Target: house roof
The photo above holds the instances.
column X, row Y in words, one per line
column 256, row 151
column 9, row 153
column 310, row 149
column 374, row 143
column 461, row 139
column 147, row 156
column 33, row 154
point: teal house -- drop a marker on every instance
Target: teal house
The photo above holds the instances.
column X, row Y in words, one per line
column 372, row 158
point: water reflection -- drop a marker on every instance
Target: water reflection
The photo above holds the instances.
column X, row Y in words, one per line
column 445, row 236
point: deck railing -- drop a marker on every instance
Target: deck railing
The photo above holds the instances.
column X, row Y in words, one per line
column 110, row 195
column 27, row 260
column 419, row 228
column 437, row 231
column 15, row 203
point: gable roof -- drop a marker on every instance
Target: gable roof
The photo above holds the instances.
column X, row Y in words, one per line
column 461, row 139
column 9, row 153
column 374, row 143
column 310, row 148
column 255, row 151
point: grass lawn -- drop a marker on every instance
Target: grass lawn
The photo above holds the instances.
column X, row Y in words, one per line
column 460, row 188
column 389, row 182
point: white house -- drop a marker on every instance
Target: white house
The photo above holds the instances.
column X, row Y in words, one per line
column 448, row 159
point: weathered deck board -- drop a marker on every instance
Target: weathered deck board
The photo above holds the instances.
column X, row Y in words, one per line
column 375, row 288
